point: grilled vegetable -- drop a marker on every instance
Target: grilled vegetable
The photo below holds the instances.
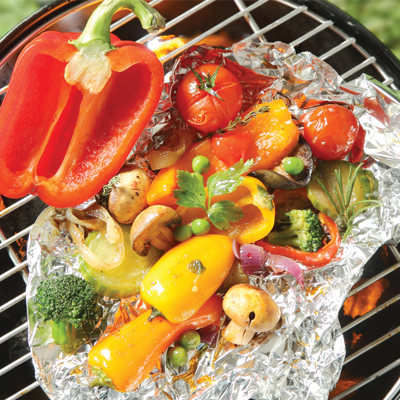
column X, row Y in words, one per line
column 85, row 99
column 279, row 178
column 341, row 191
column 127, row 198
column 122, row 281
column 330, row 130
column 209, row 97
column 70, row 303
column 252, row 310
column 312, row 260
column 187, row 275
column 125, row 357
column 273, row 135
column 304, row 232
column 151, row 227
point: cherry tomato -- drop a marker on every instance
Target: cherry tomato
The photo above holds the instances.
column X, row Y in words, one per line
column 209, row 98
column 330, row 130
column 230, row 147
column 357, row 151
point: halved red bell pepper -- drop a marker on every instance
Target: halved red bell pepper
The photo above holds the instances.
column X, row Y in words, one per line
column 75, row 107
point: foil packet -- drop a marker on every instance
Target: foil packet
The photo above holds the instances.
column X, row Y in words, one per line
column 303, row 358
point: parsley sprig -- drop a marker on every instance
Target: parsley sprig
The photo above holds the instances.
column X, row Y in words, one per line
column 191, row 193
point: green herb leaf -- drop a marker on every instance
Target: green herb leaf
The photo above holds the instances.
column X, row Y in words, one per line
column 225, row 182
column 196, row 266
column 191, row 193
column 223, row 212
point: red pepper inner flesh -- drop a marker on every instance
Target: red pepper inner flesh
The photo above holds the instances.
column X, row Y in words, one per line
column 60, row 137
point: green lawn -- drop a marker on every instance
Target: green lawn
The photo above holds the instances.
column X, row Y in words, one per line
column 382, row 17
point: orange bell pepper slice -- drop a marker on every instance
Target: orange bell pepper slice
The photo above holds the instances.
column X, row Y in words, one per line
column 125, row 358
column 258, row 208
column 162, row 188
column 273, row 135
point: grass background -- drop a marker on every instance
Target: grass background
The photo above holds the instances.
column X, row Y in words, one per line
column 382, row 17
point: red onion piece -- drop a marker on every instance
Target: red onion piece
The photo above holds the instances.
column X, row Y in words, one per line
column 253, row 259
column 208, row 334
column 281, row 263
column 236, row 248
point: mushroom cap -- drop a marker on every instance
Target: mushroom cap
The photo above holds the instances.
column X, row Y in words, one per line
column 127, row 198
column 148, row 224
column 251, row 308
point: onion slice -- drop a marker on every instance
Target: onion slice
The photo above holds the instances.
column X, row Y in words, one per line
column 281, row 263
column 172, row 150
column 208, row 334
column 95, row 218
column 236, row 248
column 253, row 259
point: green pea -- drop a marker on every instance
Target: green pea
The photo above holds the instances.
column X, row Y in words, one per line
column 190, row 340
column 293, row 165
column 200, row 177
column 200, row 227
column 182, row 233
column 201, row 164
column 177, row 355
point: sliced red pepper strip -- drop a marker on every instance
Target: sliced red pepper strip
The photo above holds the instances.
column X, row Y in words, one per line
column 311, row 260
column 63, row 142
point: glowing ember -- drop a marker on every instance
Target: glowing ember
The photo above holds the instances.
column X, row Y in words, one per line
column 162, row 45
column 366, row 300
column 21, row 243
column 166, row 44
column 342, row 385
column 355, row 339
column 2, row 206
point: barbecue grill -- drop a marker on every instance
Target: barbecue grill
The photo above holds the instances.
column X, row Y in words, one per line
column 372, row 366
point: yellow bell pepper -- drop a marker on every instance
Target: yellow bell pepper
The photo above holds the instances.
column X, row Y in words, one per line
column 124, row 358
column 258, row 208
column 185, row 277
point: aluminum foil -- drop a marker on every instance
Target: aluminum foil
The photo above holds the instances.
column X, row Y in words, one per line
column 303, row 358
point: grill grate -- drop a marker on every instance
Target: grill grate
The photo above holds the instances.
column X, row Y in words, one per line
column 247, row 11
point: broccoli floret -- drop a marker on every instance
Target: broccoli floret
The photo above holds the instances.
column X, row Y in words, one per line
column 304, row 232
column 70, row 303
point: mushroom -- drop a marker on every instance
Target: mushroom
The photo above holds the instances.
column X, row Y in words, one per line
column 151, row 227
column 128, row 197
column 251, row 310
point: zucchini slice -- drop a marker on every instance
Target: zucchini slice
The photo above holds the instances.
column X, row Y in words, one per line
column 364, row 187
column 124, row 280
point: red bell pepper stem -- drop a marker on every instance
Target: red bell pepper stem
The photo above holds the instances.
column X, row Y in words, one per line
column 98, row 25
column 311, row 260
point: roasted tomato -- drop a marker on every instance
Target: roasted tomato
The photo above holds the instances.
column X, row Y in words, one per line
column 231, row 147
column 330, row 130
column 209, row 97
